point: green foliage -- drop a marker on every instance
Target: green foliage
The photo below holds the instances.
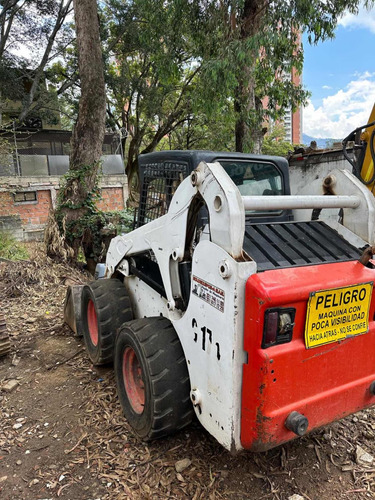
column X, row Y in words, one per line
column 117, row 221
column 91, row 227
column 258, row 48
column 94, row 229
column 64, row 77
column 11, row 249
column 122, row 220
column 153, row 56
column 275, row 144
column 200, row 131
column 32, row 33
column 181, row 74
column 6, row 147
column 88, row 228
column 79, row 176
column 87, row 225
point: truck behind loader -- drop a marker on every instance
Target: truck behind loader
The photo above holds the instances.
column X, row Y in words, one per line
column 237, row 302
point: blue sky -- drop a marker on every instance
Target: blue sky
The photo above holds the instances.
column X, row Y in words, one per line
column 340, row 74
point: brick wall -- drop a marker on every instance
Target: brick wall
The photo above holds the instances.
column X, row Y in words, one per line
column 112, row 199
column 31, row 213
column 26, row 219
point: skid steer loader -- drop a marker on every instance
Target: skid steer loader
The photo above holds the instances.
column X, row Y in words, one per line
column 237, row 302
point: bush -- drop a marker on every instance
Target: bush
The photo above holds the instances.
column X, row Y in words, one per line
column 121, row 220
column 11, row 249
column 126, row 220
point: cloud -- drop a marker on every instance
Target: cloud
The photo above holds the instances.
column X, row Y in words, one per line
column 342, row 112
column 326, row 87
column 364, row 19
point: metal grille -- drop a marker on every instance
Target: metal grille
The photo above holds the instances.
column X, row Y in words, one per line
column 160, row 181
column 275, row 246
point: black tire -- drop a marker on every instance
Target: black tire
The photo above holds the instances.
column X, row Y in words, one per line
column 105, row 307
column 153, row 388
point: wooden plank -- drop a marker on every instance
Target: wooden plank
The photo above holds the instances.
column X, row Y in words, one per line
column 4, row 337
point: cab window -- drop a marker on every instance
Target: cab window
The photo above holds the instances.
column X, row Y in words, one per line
column 255, row 179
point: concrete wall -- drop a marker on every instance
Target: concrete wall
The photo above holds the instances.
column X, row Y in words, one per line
column 26, row 220
column 307, row 174
column 312, row 168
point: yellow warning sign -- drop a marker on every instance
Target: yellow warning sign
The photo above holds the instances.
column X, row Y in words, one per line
column 333, row 315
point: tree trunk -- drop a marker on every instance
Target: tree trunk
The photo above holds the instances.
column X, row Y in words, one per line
column 244, row 105
column 248, row 130
column 77, row 197
column 131, row 169
column 89, row 130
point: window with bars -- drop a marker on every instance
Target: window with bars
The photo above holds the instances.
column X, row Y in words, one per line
column 25, row 196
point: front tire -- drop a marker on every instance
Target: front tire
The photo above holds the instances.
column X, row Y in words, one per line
column 105, row 307
column 152, row 378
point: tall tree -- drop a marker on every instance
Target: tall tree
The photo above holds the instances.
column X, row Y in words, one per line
column 256, row 52
column 76, row 213
column 88, row 133
column 38, row 27
column 153, row 66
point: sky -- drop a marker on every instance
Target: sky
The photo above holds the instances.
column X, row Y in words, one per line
column 340, row 74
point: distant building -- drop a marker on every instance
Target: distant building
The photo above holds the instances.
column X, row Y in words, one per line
column 33, row 158
column 292, row 121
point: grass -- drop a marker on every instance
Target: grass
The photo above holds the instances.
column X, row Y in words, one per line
column 11, row 249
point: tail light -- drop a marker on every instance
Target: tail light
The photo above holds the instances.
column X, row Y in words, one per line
column 278, row 326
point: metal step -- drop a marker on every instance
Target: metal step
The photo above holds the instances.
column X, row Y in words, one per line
column 293, row 244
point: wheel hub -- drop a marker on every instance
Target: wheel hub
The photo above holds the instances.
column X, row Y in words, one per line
column 133, row 380
column 92, row 323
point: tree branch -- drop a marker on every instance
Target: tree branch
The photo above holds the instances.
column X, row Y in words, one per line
column 63, row 11
column 69, row 82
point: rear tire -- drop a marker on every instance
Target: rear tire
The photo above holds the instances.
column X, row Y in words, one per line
column 152, row 378
column 105, row 307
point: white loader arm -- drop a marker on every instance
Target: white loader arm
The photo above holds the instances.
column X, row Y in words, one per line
column 166, row 236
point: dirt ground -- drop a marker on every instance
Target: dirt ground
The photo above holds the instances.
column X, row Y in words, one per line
column 62, row 433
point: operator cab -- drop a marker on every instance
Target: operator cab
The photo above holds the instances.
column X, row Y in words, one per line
column 160, row 175
column 254, row 175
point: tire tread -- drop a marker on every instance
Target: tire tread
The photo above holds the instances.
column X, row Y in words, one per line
column 113, row 309
column 169, row 379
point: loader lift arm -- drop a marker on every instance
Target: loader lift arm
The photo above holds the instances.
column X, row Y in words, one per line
column 169, row 238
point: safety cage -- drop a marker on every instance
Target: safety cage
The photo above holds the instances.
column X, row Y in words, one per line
column 159, row 182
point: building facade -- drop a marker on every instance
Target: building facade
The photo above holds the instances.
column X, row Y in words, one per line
column 293, row 120
column 30, row 173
